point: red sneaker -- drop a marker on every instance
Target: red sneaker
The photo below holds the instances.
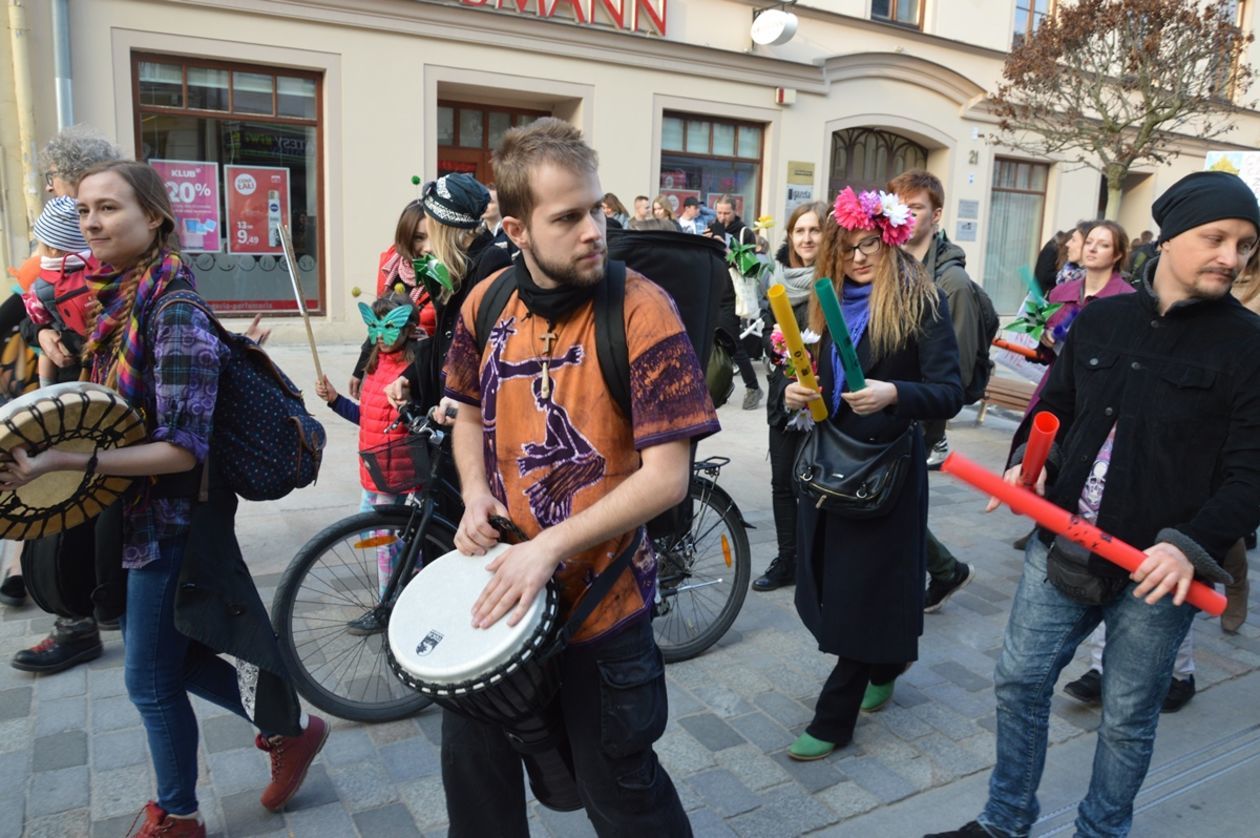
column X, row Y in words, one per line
column 158, row 824
column 291, row 756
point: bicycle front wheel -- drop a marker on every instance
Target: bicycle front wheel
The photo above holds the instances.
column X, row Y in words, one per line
column 328, row 616
column 702, row 576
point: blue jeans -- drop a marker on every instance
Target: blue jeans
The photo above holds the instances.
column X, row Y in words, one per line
column 1044, row 629
column 161, row 666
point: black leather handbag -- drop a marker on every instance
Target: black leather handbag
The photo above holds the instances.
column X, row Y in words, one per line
column 851, row 478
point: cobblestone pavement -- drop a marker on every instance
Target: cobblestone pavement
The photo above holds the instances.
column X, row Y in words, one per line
column 73, row 758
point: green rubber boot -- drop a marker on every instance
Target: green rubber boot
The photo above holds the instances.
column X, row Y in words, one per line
column 807, row 748
column 876, row 696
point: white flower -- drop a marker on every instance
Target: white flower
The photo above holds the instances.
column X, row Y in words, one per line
column 894, row 210
column 809, row 336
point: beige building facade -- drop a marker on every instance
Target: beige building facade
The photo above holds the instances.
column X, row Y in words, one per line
column 317, row 113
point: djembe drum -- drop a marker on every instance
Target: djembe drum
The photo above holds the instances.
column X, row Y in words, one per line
column 75, row 416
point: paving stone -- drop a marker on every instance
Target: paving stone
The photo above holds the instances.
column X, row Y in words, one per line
column 847, row 799
column 113, row 713
column 60, row 750
column 989, row 593
column 104, row 683
column 877, row 778
column 721, row 700
column 328, row 821
column 113, row 827
column 410, row 759
column 347, row 746
column 708, row 824
column 58, row 791
column 72, row 682
column 316, row 790
column 812, row 776
column 60, row 715
column 962, row 676
column 1075, row 713
column 426, row 801
column 120, row 791
column 226, row 733
column 723, row 792
column 753, row 768
column 393, row 821
column 962, row 758
column 244, row 769
column 681, row 754
column 787, row 811
column 566, row 824
column 904, row 723
column 762, row 731
column 945, row 720
column 72, row 824
column 243, row 816
column 711, row 731
column 974, row 603
column 430, row 724
column 119, row 748
column 681, row 702
column 399, row 731
column 786, row 711
column 907, row 695
column 363, row 785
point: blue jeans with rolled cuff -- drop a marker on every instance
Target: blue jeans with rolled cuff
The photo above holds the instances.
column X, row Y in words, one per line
column 1042, row 634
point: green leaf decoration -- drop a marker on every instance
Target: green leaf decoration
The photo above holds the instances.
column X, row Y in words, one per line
column 743, row 257
column 1033, row 320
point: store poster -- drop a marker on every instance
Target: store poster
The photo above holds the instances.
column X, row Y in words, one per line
column 257, row 204
column 193, row 187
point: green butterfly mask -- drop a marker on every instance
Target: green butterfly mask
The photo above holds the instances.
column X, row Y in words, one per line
column 386, row 328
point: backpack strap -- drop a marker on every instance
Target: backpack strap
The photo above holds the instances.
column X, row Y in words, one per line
column 611, row 347
column 501, row 289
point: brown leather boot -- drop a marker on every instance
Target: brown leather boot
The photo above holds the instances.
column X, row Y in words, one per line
column 291, row 756
column 1236, row 594
column 158, row 824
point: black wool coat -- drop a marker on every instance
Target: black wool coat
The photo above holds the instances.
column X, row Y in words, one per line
column 859, row 583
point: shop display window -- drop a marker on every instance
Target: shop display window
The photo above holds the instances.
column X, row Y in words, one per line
column 704, row 158
column 239, row 147
column 467, row 134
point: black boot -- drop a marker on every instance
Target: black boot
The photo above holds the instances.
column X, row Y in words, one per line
column 779, row 574
column 71, row 642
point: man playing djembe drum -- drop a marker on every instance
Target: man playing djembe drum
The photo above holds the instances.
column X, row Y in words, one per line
column 540, row 440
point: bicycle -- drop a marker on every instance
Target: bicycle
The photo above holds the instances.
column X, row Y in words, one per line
column 703, row 571
column 330, row 613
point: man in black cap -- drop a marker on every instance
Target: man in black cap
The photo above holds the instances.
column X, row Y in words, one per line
column 1158, row 398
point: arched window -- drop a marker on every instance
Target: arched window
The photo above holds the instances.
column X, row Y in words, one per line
column 867, row 158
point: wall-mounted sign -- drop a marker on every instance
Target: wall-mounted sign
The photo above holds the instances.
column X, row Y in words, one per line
column 968, row 209
column 627, row 15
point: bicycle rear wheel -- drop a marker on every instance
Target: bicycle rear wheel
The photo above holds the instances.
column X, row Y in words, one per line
column 702, row 576
column 331, row 583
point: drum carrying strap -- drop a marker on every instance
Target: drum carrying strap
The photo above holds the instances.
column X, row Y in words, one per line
column 598, row 590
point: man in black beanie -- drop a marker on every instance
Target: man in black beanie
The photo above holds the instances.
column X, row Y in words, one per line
column 1158, row 398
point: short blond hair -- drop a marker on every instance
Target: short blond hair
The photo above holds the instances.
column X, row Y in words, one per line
column 523, row 150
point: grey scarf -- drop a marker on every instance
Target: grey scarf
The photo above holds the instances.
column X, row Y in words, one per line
column 799, row 282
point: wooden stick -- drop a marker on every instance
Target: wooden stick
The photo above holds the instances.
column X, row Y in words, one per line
column 286, row 241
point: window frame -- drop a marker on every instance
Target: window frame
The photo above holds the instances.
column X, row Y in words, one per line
column 892, row 15
column 1018, row 37
column 711, row 120
column 139, row 110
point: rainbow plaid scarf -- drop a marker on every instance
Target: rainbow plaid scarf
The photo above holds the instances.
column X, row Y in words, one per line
column 122, row 370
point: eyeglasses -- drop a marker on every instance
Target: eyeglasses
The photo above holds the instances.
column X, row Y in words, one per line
column 49, row 176
column 869, row 245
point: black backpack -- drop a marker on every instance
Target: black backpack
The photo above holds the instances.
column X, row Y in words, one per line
column 988, row 325
column 690, row 268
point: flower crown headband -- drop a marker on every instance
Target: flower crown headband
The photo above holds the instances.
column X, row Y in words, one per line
column 872, row 210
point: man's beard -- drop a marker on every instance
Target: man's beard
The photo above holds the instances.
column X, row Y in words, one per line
column 569, row 275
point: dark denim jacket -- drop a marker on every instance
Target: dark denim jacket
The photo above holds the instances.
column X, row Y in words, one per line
column 1183, row 392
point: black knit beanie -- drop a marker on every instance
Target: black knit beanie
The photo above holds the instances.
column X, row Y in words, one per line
column 1201, row 198
column 456, row 200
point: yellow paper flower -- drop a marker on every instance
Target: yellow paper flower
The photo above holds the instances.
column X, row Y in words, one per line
column 764, row 222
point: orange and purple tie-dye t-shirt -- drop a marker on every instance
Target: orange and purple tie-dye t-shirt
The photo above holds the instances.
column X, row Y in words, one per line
column 550, row 456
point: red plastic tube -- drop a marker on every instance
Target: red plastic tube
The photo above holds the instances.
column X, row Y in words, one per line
column 1031, row 354
column 1069, row 526
column 1044, row 428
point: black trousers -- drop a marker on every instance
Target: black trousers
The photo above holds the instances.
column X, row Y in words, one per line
column 836, row 713
column 783, row 447
column 746, row 371
column 614, row 707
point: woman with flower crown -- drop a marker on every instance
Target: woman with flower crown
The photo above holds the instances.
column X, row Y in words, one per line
column 859, row 583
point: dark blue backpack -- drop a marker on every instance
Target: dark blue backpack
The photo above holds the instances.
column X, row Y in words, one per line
column 264, row 443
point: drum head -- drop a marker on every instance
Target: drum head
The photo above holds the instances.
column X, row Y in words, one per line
column 430, row 628
column 75, row 416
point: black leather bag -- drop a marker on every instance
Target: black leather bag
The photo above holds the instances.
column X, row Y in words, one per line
column 851, row 478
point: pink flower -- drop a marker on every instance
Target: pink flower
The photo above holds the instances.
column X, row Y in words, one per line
column 893, row 234
column 849, row 212
column 871, row 203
